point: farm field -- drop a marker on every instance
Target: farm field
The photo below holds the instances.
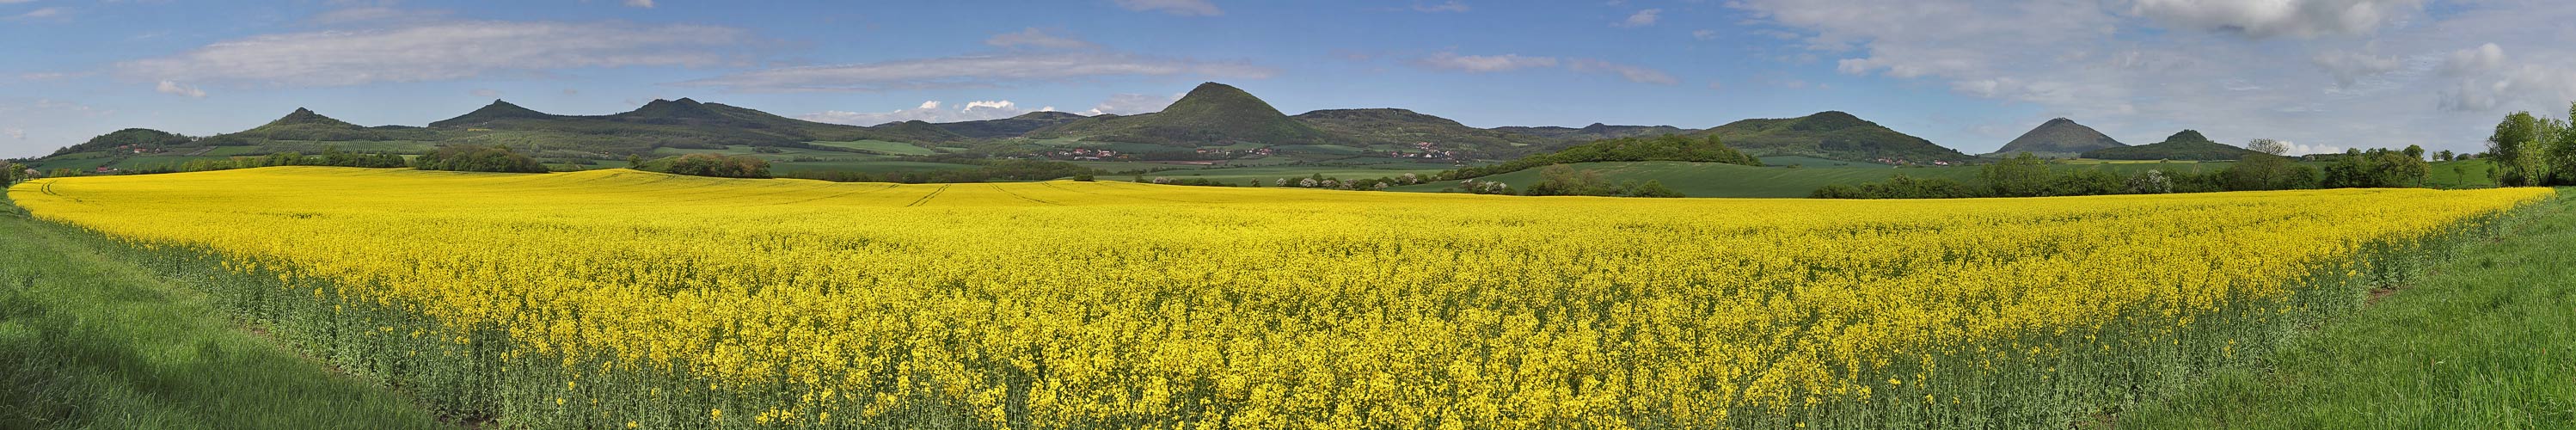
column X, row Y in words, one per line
column 1729, row 180
column 615, row 297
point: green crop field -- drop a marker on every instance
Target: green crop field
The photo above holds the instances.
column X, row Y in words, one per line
column 870, row 166
column 879, row 146
column 1813, row 162
column 1266, row 174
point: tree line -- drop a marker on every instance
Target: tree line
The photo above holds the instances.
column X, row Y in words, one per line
column 2026, row 175
column 1659, row 148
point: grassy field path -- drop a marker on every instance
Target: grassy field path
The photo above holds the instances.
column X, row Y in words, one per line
column 2486, row 340
column 90, row 342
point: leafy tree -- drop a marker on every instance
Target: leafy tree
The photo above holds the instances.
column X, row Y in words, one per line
column 13, row 173
column 2023, row 175
column 2261, row 172
column 2378, row 168
column 2268, row 146
column 718, row 166
column 477, row 158
column 2089, row 182
column 1563, row 180
column 2445, row 155
column 2416, row 151
column 2518, row 149
column 1651, row 188
column 1659, row 148
column 1901, row 186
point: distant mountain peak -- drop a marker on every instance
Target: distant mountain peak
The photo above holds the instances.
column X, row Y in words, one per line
column 2188, row 135
column 498, row 110
column 1212, row 114
column 2059, row 137
column 307, row 116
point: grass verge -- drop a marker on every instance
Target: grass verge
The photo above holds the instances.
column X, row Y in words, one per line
column 91, row 342
column 2486, row 339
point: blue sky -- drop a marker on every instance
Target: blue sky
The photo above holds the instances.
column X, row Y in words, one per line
column 1968, row 74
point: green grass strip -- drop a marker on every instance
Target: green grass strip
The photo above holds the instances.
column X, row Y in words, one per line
column 87, row 341
column 2485, row 340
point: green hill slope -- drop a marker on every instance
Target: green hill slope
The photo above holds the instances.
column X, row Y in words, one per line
column 1213, row 114
column 1009, row 127
column 2187, row 145
column 1596, row 131
column 1832, row 135
column 1406, row 127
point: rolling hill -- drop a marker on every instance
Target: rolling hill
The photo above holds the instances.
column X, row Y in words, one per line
column 1389, row 126
column 1832, row 135
column 2058, row 138
column 1596, row 131
column 1009, row 127
column 2186, row 145
column 1213, row 114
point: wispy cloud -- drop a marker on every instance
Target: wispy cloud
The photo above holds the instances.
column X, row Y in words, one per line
column 929, row 111
column 2295, row 18
column 1641, row 18
column 444, row 51
column 1482, row 63
column 1632, row 73
column 974, row 71
column 178, row 89
column 1450, row 61
column 1450, row 6
column 1175, row 7
column 42, row 13
column 1035, row 38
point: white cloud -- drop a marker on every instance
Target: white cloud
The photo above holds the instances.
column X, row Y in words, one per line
column 1641, row 18
column 374, row 15
column 929, row 111
column 1631, row 73
column 1704, row 34
column 443, row 51
column 1033, row 37
column 14, row 1
column 2268, row 18
column 2348, row 67
column 1450, row 6
column 1175, row 7
column 175, row 88
column 15, row 133
column 1482, row 63
column 41, row 13
column 2474, row 60
column 647, row 4
column 1131, row 104
column 974, row 71
column 2305, row 149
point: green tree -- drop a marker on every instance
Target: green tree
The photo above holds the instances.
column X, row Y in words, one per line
column 2518, row 149
column 1564, row 180
column 1652, row 188
column 14, row 173
column 2022, row 175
